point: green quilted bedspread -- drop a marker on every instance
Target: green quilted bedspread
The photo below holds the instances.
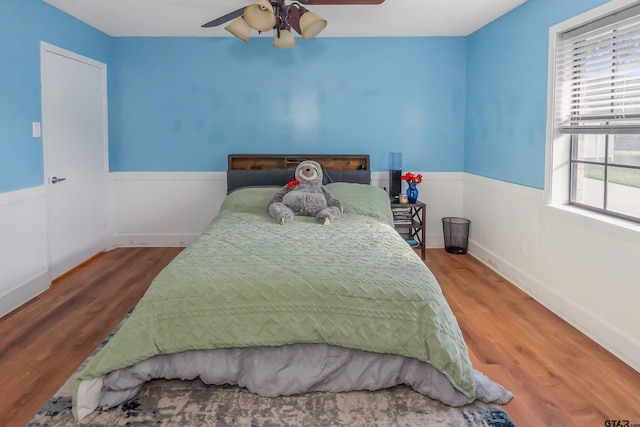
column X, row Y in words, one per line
column 248, row 281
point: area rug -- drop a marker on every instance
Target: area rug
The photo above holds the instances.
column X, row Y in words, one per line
column 193, row 403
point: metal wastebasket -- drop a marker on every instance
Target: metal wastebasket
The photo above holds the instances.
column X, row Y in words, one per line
column 456, row 234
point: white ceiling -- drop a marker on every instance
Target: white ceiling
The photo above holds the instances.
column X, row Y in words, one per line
column 123, row 18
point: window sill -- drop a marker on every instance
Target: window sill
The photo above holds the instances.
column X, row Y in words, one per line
column 627, row 230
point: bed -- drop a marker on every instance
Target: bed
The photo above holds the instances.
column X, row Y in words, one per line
column 290, row 309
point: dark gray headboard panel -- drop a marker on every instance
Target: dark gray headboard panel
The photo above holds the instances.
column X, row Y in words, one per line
column 250, row 170
column 359, row 176
column 252, row 178
column 279, row 177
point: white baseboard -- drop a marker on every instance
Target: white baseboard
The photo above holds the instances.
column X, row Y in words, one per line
column 599, row 330
column 153, row 240
column 21, row 294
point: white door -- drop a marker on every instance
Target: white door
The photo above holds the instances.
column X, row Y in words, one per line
column 74, row 132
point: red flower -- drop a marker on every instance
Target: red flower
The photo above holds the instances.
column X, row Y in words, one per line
column 293, row 182
column 411, row 178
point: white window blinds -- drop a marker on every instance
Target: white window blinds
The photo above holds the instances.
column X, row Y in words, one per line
column 598, row 72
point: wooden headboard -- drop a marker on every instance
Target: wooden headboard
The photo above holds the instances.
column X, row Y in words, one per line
column 246, row 170
column 290, row 161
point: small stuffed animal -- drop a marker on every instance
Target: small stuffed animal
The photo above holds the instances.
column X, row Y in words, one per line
column 305, row 195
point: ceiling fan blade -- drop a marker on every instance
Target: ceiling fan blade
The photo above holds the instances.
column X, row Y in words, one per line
column 334, row 2
column 239, row 12
column 226, row 18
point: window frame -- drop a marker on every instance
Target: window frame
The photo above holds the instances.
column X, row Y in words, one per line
column 560, row 161
column 606, row 164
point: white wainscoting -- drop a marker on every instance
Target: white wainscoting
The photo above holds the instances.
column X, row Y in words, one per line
column 163, row 208
column 24, row 254
column 440, row 191
column 582, row 269
column 174, row 208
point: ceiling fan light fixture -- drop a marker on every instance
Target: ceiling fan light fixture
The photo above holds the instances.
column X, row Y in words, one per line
column 239, row 28
column 285, row 41
column 311, row 25
column 277, row 15
column 260, row 16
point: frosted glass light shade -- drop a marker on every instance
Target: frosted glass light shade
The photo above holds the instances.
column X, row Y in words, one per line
column 260, row 16
column 239, row 28
column 311, row 25
column 396, row 161
column 285, row 41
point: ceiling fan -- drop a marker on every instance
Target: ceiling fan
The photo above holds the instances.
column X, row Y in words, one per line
column 265, row 15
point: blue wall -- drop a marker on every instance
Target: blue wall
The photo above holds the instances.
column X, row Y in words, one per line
column 23, row 24
column 507, row 91
column 475, row 104
column 183, row 104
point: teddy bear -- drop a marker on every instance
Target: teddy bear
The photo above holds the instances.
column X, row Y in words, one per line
column 305, row 195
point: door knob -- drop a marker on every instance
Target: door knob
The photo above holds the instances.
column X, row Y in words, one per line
column 55, row 179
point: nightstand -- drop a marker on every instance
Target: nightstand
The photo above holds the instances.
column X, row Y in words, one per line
column 409, row 219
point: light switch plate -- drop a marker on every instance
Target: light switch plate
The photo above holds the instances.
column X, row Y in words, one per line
column 36, row 129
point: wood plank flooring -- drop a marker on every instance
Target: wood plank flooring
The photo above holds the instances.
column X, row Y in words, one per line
column 559, row 376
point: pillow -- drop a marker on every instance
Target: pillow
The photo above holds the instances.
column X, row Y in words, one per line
column 357, row 199
column 249, row 199
column 362, row 199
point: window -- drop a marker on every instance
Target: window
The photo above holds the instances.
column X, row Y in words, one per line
column 597, row 112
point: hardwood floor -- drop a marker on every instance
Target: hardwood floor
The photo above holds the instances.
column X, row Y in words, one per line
column 44, row 341
column 559, row 376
